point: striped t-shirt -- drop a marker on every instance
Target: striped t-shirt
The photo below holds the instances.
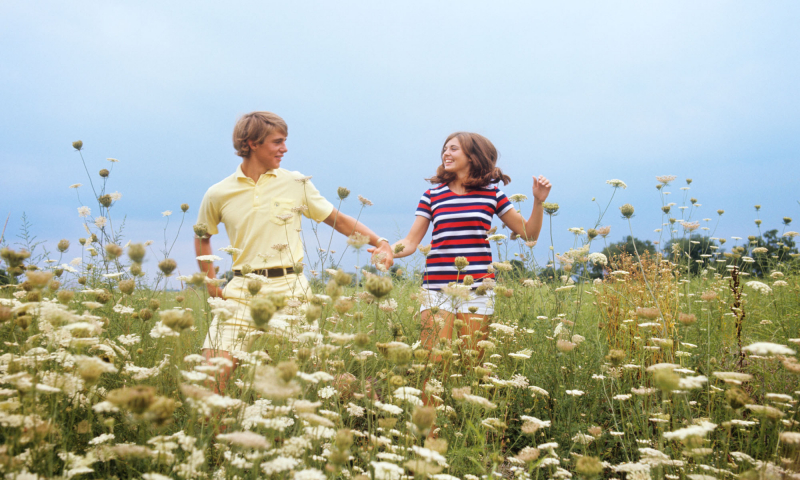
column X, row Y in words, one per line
column 460, row 223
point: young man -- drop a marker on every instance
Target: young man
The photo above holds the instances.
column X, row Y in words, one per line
column 260, row 205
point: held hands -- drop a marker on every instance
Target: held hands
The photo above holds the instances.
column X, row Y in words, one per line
column 541, row 188
column 382, row 253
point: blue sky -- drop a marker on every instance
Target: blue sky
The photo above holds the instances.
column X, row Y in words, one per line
column 581, row 92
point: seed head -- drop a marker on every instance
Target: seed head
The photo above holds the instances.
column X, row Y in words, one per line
column 737, row 398
column 136, row 252
column 262, row 309
column 184, row 207
column 63, row 245
column 758, row 222
column 254, row 286
column 787, row 220
column 379, row 286
column 461, row 263
column 154, row 304
column 343, row 193
column 758, row 207
column 589, row 467
column 113, row 251
column 82, row 241
column 693, row 200
column 105, row 200
column 666, row 209
column 720, row 212
column 39, row 279
column 627, row 210
column 127, row 286
column 201, row 230
column 177, row 319
column 550, row 208
column 688, row 181
column 287, row 370
column 468, row 280
column 423, row 418
column 65, row 296
column 687, row 318
column 167, row 266
column 136, row 399
column 136, row 269
column 591, row 233
column 246, row 269
column 145, row 314
column 342, row 278
column 104, row 173
column 615, row 357
column 77, row 145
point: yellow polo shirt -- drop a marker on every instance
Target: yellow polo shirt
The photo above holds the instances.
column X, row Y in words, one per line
column 263, row 218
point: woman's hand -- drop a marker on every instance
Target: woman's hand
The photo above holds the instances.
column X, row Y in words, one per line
column 541, row 188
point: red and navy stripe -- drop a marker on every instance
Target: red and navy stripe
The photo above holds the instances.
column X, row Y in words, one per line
column 460, row 223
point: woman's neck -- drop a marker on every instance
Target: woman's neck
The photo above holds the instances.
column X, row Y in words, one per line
column 457, row 184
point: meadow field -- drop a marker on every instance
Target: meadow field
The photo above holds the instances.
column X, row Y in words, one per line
column 673, row 363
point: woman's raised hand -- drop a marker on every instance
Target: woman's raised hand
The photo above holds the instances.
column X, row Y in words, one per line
column 541, row 188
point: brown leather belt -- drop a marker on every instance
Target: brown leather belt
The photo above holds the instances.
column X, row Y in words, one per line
column 268, row 272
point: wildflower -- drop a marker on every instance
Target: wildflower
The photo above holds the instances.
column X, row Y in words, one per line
column 604, row 231
column 588, row 467
column 365, row 202
column 564, row 346
column 768, row 349
column 597, row 258
column 166, row 213
column 771, row 413
column 791, row 234
column 550, row 208
column 425, row 249
column 100, row 222
column 735, row 378
column 167, row 266
column 699, row 430
column 518, row 197
column 665, row 179
column 200, row 230
column 208, row 258
column 617, row 183
column 357, row 240
column 575, row 393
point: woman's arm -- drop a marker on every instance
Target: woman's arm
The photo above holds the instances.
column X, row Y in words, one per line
column 415, row 235
column 529, row 230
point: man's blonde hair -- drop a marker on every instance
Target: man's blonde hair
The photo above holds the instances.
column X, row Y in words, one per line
column 256, row 127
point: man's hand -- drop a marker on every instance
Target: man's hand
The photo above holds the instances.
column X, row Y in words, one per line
column 384, row 251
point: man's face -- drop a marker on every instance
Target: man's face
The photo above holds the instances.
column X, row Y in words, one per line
column 270, row 153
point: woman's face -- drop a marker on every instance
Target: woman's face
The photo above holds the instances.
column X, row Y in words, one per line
column 453, row 157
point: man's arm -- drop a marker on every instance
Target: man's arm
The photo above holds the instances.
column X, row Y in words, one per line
column 347, row 225
column 202, row 246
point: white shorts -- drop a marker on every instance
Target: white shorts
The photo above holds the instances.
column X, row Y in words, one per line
column 233, row 333
column 435, row 298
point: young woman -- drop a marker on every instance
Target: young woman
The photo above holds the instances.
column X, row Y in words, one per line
column 461, row 206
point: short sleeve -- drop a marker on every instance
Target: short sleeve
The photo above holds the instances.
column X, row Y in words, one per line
column 319, row 208
column 209, row 213
column 503, row 204
column 424, row 206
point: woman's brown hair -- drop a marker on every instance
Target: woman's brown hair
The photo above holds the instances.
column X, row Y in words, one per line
column 482, row 157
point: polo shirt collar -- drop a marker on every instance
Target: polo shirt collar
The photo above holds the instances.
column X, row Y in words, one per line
column 240, row 174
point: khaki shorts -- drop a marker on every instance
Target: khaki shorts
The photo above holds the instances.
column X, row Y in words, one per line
column 234, row 333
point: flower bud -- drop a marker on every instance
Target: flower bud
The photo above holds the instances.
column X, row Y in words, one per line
column 666, row 209
column 379, row 286
column 65, row 296
column 201, row 230
column 145, row 314
column 113, row 251
column 261, row 310
column 343, row 193
column 468, row 280
column 136, row 252
column 627, row 210
column 332, row 289
column 342, row 278
column 105, row 200
column 177, row 319
column 63, row 245
column 77, row 145
column 167, row 266
column 423, row 418
column 136, row 269
column 82, row 280
column 591, row 233
column 254, row 286
column 720, row 212
column 127, row 286
column 104, row 173
column 313, row 312
column 154, row 304
column 287, row 370
column 184, row 207
column 461, row 263
column 180, row 298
